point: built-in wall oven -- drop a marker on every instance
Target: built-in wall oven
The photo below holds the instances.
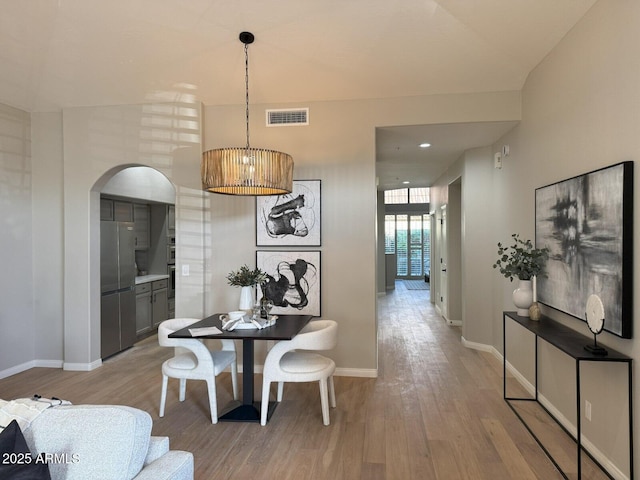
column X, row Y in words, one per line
column 171, row 249
column 171, row 270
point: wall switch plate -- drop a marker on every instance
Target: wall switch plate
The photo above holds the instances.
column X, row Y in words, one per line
column 185, row 270
column 497, row 161
column 587, row 410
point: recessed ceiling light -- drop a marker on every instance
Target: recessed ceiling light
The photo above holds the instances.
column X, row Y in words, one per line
column 406, row 182
column 425, row 145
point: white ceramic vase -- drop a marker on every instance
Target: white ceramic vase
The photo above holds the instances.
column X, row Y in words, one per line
column 523, row 297
column 246, row 299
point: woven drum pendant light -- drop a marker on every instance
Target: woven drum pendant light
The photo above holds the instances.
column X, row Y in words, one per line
column 246, row 170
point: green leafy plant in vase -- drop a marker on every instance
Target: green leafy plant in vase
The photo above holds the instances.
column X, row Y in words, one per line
column 247, row 279
column 522, row 261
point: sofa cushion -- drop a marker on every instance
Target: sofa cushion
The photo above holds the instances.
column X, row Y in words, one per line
column 92, row 441
column 158, row 446
column 16, row 462
column 174, row 465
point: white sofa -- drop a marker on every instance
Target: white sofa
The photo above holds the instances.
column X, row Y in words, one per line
column 104, row 442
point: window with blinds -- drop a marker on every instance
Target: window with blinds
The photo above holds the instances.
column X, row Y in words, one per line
column 406, row 195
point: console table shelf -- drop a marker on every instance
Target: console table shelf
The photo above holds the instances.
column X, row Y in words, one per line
column 572, row 344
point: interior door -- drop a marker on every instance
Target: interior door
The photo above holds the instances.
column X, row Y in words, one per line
column 444, row 284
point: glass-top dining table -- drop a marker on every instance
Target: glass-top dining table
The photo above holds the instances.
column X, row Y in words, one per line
column 285, row 328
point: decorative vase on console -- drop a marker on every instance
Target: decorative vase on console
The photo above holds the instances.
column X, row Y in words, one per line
column 247, row 279
column 523, row 297
column 521, row 261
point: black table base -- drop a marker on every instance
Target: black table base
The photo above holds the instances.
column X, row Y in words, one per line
column 236, row 411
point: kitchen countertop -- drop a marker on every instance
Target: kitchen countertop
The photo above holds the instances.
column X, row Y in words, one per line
column 150, row 278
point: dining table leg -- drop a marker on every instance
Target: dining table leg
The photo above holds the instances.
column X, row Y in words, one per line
column 247, row 411
column 247, row 372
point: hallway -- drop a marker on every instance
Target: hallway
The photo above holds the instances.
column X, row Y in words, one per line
column 454, row 395
column 446, row 401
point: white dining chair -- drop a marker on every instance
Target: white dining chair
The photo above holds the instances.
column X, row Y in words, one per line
column 295, row 361
column 192, row 360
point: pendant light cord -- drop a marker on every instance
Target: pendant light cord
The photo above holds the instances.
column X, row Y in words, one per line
column 246, row 86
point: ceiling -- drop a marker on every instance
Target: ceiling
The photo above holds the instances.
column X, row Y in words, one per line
column 400, row 159
column 69, row 53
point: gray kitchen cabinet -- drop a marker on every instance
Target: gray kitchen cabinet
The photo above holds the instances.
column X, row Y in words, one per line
column 122, row 211
column 144, row 320
column 171, row 220
column 152, row 305
column 141, row 226
column 159, row 301
column 162, row 222
column 106, row 209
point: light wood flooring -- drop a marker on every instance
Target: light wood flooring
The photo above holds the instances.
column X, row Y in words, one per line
column 434, row 412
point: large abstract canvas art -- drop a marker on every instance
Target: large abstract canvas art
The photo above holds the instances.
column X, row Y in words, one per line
column 587, row 223
column 293, row 281
column 292, row 219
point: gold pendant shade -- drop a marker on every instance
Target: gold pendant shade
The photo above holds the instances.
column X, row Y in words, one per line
column 247, row 171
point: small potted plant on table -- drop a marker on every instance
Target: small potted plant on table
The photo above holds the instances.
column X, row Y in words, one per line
column 522, row 261
column 247, row 279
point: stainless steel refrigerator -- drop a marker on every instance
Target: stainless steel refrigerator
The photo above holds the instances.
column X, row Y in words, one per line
column 117, row 286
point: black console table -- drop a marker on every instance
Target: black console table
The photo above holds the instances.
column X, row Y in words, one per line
column 572, row 344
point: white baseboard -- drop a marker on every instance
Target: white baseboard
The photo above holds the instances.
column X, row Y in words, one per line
column 48, row 363
column 82, row 367
column 23, row 367
column 17, row 369
column 448, row 321
column 482, row 347
column 564, row 421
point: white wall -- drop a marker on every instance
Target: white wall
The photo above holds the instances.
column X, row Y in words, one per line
column 48, row 238
column 17, row 283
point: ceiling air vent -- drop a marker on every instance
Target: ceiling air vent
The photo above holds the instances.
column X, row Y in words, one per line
column 286, row 117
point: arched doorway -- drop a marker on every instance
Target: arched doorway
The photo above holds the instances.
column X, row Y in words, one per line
column 137, row 253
